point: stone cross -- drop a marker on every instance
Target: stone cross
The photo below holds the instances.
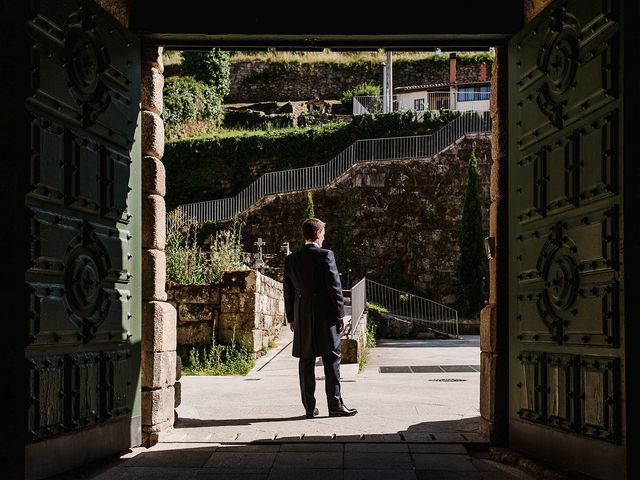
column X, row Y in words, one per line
column 260, row 244
column 259, row 263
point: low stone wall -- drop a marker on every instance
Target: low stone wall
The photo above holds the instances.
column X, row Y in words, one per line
column 246, row 307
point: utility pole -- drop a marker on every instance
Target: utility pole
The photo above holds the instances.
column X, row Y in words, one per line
column 385, row 103
column 390, row 81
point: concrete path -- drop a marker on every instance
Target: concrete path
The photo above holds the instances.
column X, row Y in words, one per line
column 417, row 424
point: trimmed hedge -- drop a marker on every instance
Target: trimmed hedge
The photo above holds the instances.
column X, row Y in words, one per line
column 253, row 119
column 209, row 168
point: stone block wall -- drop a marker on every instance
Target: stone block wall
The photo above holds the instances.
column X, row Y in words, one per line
column 259, row 81
column 394, row 222
column 246, row 307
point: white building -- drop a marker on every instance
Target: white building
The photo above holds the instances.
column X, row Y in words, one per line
column 453, row 95
column 472, row 96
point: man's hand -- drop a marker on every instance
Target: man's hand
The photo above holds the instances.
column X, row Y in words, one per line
column 340, row 325
column 292, row 326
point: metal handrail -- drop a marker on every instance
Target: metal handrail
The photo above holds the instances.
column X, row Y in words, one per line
column 318, row 176
column 411, row 307
column 358, row 304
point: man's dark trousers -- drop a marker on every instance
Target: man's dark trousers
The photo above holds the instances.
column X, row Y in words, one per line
column 306, row 369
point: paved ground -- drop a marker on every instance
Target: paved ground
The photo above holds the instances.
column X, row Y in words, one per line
column 409, row 426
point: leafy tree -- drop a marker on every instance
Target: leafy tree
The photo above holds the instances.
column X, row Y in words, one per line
column 210, row 67
column 472, row 264
column 309, row 213
column 186, row 98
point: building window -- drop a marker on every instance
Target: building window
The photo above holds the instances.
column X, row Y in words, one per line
column 470, row 94
column 418, row 104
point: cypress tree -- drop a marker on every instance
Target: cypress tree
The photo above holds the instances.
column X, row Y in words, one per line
column 309, row 213
column 472, row 263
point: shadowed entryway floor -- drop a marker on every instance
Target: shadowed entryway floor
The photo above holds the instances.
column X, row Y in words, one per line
column 417, row 424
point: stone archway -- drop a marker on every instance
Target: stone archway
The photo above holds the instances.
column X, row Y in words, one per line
column 161, row 389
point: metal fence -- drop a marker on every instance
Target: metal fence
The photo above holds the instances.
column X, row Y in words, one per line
column 414, row 308
column 433, row 102
column 318, row 176
column 371, row 104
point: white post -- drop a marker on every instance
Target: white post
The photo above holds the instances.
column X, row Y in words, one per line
column 385, row 102
column 390, row 81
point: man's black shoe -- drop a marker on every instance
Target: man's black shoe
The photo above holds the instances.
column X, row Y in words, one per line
column 315, row 413
column 343, row 412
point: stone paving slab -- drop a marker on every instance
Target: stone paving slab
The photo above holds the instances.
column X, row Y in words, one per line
column 376, row 448
column 148, row 473
column 447, row 462
column 245, row 462
column 379, row 475
column 437, row 448
column 306, row 474
column 377, row 460
column 210, row 475
column 311, row 460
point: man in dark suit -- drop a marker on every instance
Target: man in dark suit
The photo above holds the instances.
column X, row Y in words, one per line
column 315, row 311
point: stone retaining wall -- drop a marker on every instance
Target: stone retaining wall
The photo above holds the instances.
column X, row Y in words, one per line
column 258, row 81
column 393, row 222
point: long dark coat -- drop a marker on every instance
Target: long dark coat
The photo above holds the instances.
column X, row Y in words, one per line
column 313, row 300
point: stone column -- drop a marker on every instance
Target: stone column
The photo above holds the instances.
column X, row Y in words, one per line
column 158, row 316
column 494, row 317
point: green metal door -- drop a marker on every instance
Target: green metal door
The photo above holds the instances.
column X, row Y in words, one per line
column 566, row 313
column 83, row 352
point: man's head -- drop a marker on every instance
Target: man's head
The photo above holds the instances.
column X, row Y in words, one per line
column 313, row 230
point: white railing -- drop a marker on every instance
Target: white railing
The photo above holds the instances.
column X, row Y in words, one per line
column 433, row 102
column 413, row 308
column 358, row 304
column 318, row 176
column 370, row 104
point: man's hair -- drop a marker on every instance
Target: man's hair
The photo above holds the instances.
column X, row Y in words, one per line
column 311, row 228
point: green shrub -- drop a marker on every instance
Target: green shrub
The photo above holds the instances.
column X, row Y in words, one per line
column 472, row 264
column 218, row 359
column 189, row 263
column 210, row 67
column 370, row 343
column 252, row 119
column 185, row 99
column 309, row 211
column 366, row 88
column 376, row 307
column 315, row 119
